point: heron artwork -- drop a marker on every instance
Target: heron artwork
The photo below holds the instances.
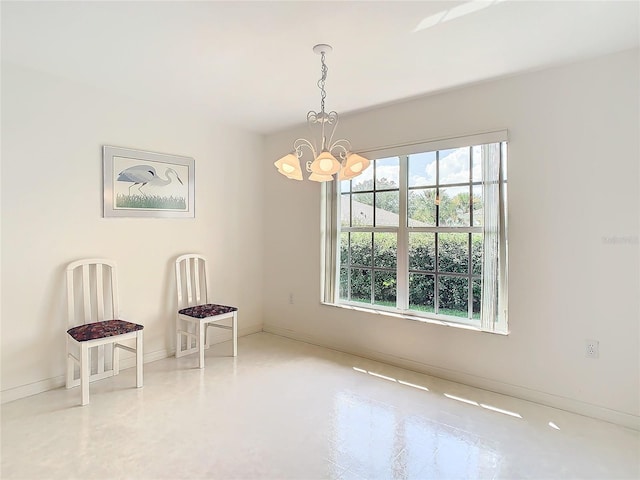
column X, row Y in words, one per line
column 143, row 175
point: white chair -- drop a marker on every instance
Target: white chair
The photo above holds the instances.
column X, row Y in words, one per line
column 195, row 313
column 93, row 342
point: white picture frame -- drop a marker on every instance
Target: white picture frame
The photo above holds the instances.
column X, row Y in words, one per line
column 146, row 184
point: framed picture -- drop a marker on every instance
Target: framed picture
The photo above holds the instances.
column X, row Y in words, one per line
column 147, row 184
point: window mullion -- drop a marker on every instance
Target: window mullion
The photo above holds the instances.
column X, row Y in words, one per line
column 402, row 260
column 470, row 276
column 436, row 278
column 502, row 259
column 470, row 241
column 349, row 268
column 373, row 262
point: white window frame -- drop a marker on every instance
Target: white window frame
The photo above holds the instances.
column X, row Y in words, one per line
column 331, row 229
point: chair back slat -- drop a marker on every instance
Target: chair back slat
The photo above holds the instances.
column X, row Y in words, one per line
column 205, row 276
column 191, row 280
column 115, row 305
column 71, row 304
column 196, row 280
column 187, row 279
column 99, row 293
column 86, row 293
column 179, row 283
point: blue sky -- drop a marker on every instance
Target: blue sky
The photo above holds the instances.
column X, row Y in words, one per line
column 454, row 168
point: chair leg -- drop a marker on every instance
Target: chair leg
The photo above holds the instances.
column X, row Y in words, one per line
column 115, row 359
column 234, row 332
column 178, row 339
column 201, row 328
column 85, row 366
column 139, row 359
column 70, row 367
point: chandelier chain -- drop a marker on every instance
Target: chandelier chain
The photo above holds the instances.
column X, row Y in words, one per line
column 322, row 80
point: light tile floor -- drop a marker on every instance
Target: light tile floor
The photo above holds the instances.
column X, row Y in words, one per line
column 288, row 410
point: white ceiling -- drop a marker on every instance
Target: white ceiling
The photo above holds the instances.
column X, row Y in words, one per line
column 251, row 63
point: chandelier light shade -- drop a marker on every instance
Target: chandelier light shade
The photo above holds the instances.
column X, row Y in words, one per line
column 354, row 166
column 289, row 166
column 329, row 157
column 325, row 164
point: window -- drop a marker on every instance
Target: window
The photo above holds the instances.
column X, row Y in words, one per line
column 422, row 232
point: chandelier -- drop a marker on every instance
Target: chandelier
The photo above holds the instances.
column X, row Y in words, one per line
column 329, row 157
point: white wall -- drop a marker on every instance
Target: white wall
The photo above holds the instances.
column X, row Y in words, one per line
column 573, row 239
column 53, row 131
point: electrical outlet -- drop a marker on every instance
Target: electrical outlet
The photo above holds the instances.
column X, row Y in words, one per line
column 291, row 299
column 592, row 348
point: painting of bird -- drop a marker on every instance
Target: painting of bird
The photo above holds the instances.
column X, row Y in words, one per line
column 143, row 175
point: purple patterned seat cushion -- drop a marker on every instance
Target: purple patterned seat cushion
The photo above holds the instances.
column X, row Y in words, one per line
column 108, row 328
column 206, row 310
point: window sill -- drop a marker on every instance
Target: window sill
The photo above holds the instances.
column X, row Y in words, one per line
column 414, row 318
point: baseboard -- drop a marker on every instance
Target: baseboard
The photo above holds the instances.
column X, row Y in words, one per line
column 22, row 391
column 523, row 393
